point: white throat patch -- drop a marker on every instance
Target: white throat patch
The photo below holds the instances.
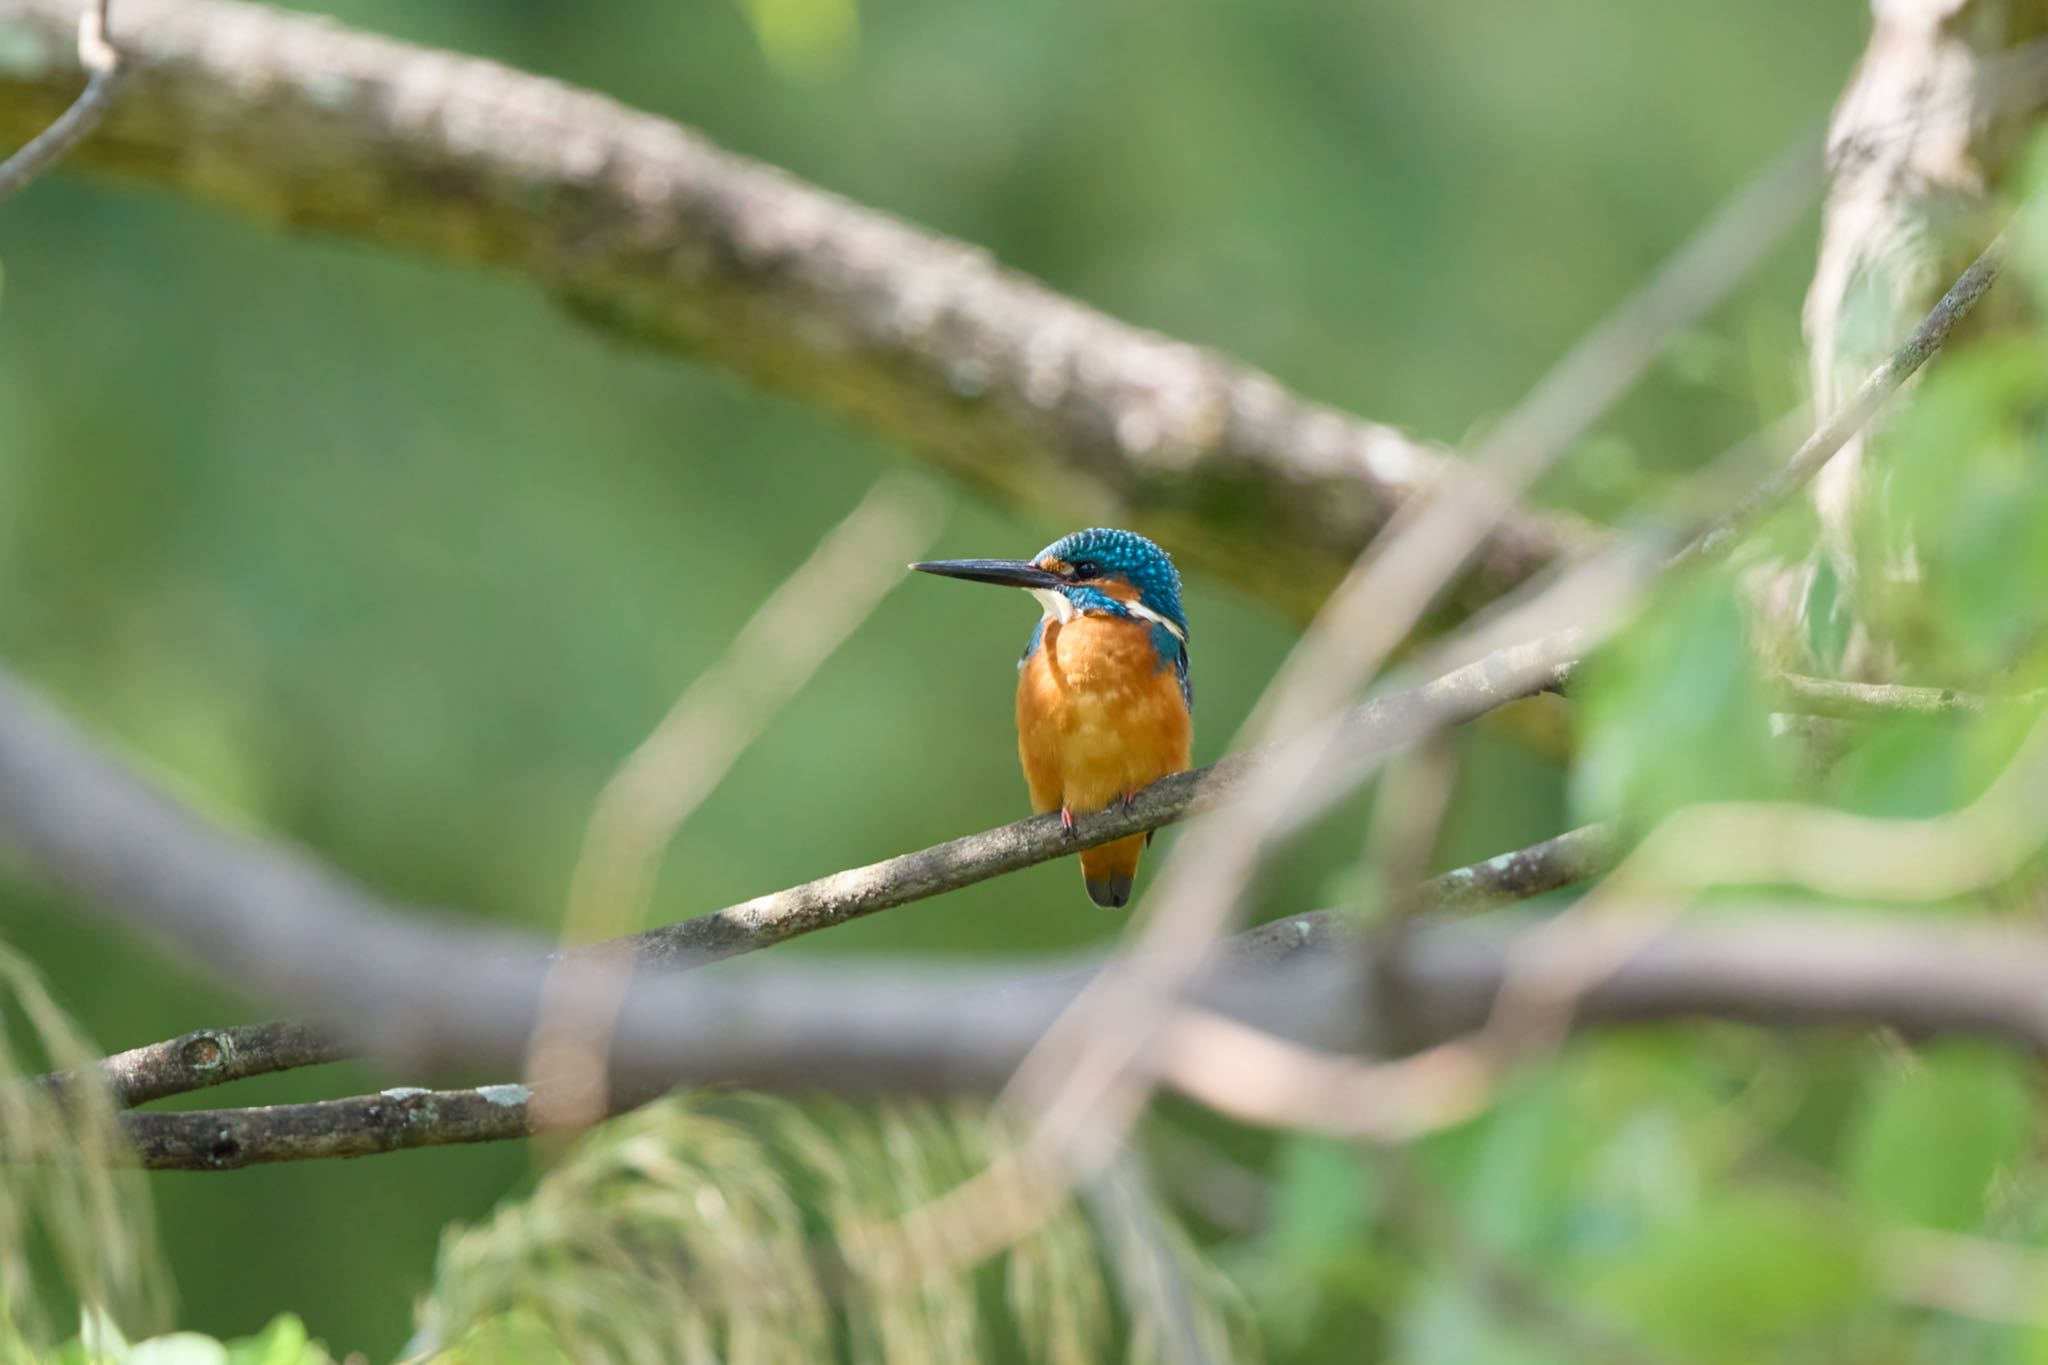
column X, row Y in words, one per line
column 1058, row 606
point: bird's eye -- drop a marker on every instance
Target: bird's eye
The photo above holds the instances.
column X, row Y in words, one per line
column 1086, row 569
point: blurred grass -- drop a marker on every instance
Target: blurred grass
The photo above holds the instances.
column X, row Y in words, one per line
column 396, row 562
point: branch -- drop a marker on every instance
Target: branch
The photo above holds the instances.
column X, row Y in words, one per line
column 101, row 61
column 645, row 228
column 210, row 1057
column 1840, row 700
column 961, row 1032
column 1847, row 420
column 1382, row 724
column 216, row 1056
column 364, row 1125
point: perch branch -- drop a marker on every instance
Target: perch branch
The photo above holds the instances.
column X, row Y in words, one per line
column 647, row 229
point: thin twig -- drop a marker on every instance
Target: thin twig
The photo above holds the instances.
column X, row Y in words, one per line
column 101, row 61
column 210, row 1057
column 1846, row 421
column 1842, row 700
column 677, row 767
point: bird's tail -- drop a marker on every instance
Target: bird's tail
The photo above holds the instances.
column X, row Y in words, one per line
column 1109, row 870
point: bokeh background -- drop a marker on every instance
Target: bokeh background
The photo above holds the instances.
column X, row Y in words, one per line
column 392, row 560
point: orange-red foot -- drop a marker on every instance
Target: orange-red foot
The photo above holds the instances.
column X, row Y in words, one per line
column 1066, row 819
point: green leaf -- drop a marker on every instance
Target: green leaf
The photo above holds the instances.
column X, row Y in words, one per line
column 1735, row 1275
column 283, row 1342
column 1952, row 571
column 1321, row 1198
column 1450, row 1321
column 179, row 1348
column 1673, row 712
column 1930, row 1139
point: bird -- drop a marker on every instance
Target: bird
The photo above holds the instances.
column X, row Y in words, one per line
column 1104, row 705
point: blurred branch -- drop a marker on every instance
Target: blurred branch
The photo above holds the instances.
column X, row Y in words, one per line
column 647, row 229
column 101, row 62
column 211, row 1057
column 388, row 978
column 1841, row 700
column 387, row 982
column 1850, row 418
column 672, row 772
column 937, row 1031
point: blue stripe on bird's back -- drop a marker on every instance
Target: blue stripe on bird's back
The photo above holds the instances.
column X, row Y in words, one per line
column 1174, row 651
column 1037, row 638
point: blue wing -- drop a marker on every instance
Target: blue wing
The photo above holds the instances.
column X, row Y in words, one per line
column 1037, row 634
column 1172, row 650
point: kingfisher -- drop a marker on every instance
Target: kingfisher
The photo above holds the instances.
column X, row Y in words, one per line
column 1104, row 707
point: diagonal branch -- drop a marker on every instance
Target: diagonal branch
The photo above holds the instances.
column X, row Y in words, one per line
column 646, row 228
column 103, row 68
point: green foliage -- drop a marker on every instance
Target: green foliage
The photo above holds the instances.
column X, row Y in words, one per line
column 1953, row 571
column 1740, row 1274
column 70, row 1217
column 761, row 1233
column 1673, row 711
column 283, row 1342
column 1934, row 1134
column 397, row 564
column 1318, row 1266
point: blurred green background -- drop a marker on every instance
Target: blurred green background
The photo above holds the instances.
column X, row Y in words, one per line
column 392, row 560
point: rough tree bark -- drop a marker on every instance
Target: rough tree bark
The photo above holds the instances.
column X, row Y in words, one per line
column 647, row 229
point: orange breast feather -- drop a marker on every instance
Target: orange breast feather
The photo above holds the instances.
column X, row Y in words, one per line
column 1098, row 719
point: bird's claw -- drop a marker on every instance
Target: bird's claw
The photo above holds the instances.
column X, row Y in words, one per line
column 1067, row 821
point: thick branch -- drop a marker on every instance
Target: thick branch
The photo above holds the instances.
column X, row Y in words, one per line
column 942, row 1032
column 646, row 228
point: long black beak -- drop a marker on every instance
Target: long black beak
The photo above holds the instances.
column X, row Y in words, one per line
column 1010, row 573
